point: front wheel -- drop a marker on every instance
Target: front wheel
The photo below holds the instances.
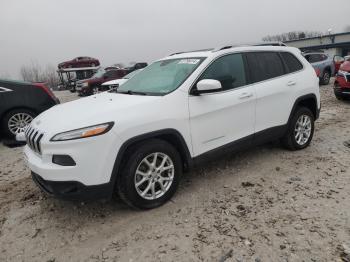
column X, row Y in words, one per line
column 300, row 130
column 151, row 174
column 95, row 90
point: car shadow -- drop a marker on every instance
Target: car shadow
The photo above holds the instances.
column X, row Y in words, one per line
column 11, row 143
column 97, row 211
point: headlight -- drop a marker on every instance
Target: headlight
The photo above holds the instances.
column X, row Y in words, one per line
column 85, row 84
column 83, row 132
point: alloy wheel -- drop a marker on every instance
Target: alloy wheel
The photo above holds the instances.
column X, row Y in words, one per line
column 154, row 176
column 302, row 130
column 18, row 122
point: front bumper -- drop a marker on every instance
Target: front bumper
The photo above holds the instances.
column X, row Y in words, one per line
column 342, row 85
column 342, row 92
column 91, row 173
column 73, row 190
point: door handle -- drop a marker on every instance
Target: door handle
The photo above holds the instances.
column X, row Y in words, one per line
column 245, row 95
column 291, row 83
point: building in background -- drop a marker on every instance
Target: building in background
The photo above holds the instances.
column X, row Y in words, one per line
column 332, row 44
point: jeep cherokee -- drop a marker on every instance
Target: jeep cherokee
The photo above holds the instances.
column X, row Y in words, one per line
column 181, row 110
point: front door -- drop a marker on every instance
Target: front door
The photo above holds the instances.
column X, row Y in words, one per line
column 226, row 115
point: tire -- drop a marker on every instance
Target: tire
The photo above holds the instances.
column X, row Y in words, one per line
column 95, row 90
column 290, row 139
column 325, row 77
column 21, row 113
column 128, row 178
column 339, row 97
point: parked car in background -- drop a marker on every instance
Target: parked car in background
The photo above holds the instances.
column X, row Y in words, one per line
column 135, row 67
column 342, row 80
column 81, row 61
column 92, row 85
column 179, row 111
column 338, row 60
column 323, row 65
column 114, row 84
column 20, row 102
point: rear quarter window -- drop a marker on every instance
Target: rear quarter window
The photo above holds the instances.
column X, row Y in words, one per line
column 292, row 63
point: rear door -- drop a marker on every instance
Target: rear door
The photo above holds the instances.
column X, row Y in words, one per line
column 226, row 115
column 273, row 88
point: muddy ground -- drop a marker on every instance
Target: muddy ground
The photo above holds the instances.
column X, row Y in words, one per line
column 265, row 204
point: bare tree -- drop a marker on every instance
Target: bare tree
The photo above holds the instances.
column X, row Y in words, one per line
column 31, row 73
column 34, row 73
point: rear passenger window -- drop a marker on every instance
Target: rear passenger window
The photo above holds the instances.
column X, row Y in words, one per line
column 228, row 70
column 264, row 65
column 314, row 58
column 293, row 64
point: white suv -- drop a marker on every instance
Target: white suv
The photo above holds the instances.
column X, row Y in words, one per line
column 136, row 141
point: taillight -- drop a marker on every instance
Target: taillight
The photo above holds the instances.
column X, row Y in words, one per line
column 318, row 72
column 46, row 90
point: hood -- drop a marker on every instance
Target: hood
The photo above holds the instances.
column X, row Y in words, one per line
column 101, row 108
column 115, row 82
column 345, row 66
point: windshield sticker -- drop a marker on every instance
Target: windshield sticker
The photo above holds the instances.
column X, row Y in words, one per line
column 189, row 61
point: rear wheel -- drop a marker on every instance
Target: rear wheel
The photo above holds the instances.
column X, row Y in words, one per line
column 325, row 77
column 151, row 174
column 300, row 130
column 16, row 120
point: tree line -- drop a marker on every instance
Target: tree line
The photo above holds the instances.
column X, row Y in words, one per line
column 35, row 73
column 293, row 35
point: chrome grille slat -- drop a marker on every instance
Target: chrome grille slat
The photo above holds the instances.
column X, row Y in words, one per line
column 38, row 143
column 33, row 138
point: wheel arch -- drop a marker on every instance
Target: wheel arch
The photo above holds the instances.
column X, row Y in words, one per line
column 309, row 101
column 171, row 136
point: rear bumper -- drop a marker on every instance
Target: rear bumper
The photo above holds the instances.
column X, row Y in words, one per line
column 73, row 190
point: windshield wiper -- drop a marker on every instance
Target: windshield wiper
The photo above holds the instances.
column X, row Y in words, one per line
column 130, row 92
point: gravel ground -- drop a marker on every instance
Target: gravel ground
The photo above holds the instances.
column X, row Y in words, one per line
column 265, row 204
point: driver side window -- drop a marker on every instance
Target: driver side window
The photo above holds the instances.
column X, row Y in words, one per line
column 228, row 70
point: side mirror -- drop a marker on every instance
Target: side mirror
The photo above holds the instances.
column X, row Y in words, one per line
column 207, row 86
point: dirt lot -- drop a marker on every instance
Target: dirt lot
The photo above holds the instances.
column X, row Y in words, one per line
column 265, row 204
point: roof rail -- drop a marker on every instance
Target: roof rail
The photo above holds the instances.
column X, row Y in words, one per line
column 256, row 44
column 270, row 44
column 227, row 47
column 200, row 50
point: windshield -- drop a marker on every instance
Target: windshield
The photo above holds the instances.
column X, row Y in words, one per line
column 161, row 77
column 130, row 75
column 99, row 73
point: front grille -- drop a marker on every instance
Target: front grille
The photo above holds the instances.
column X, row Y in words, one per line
column 78, row 85
column 33, row 138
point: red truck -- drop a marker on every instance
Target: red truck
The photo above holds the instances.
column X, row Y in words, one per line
column 92, row 85
column 81, row 61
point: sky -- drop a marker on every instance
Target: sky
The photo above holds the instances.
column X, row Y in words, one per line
column 114, row 31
